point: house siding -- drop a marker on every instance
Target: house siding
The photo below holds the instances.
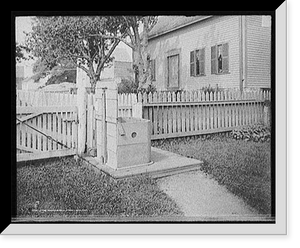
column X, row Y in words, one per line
column 204, row 34
column 123, row 69
column 258, row 53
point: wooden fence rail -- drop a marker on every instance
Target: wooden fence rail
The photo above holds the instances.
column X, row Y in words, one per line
column 197, row 112
column 46, row 125
column 193, row 118
column 172, row 115
column 199, row 96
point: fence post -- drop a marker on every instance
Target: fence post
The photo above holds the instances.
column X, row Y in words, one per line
column 137, row 110
column 81, row 105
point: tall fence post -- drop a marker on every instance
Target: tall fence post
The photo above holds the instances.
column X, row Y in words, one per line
column 137, row 110
column 81, row 81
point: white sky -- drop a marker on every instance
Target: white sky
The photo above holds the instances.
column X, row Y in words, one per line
column 23, row 24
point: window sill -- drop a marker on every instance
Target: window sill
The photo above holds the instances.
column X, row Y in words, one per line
column 221, row 73
column 202, row 75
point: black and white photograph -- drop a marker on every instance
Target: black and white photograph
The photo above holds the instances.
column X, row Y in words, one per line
column 146, row 119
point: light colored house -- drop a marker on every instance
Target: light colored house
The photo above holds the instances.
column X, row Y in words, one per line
column 122, row 64
column 201, row 51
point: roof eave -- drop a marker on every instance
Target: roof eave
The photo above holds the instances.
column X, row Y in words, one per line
column 178, row 27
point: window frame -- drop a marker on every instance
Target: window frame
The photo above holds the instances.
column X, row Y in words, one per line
column 215, row 60
column 152, row 63
column 196, row 61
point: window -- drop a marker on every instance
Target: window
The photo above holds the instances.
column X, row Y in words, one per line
column 152, row 68
column 220, row 59
column 197, row 62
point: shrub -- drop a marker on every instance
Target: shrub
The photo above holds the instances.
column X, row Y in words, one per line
column 255, row 133
column 210, row 89
column 129, row 86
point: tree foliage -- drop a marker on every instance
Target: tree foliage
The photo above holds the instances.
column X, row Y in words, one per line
column 79, row 40
column 21, row 50
column 88, row 42
column 137, row 29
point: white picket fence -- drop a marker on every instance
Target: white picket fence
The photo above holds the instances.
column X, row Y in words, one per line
column 196, row 112
column 172, row 115
column 46, row 125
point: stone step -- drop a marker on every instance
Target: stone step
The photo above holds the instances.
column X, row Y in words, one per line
column 164, row 163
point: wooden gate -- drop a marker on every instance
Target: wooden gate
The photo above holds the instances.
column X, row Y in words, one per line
column 46, row 125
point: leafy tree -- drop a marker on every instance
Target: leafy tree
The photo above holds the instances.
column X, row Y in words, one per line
column 83, row 41
column 134, row 32
column 20, row 53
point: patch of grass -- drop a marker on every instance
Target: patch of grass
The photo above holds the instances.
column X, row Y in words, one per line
column 64, row 187
column 244, row 167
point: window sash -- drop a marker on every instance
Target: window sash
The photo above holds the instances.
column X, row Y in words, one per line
column 202, row 61
column 215, row 58
column 197, row 62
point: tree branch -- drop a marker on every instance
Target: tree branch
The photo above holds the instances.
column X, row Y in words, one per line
column 83, row 68
column 136, row 34
column 128, row 30
column 105, row 57
column 113, row 37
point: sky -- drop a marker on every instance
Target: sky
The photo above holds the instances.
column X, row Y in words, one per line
column 23, row 24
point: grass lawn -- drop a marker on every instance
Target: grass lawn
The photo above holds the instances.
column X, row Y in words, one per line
column 64, row 187
column 244, row 167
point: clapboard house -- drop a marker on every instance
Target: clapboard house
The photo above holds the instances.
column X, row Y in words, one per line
column 217, row 51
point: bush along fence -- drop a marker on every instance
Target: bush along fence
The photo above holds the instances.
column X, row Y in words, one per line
column 196, row 112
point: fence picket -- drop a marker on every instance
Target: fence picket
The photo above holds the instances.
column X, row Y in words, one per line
column 155, row 97
column 171, row 114
column 150, row 97
column 178, row 115
column 182, row 96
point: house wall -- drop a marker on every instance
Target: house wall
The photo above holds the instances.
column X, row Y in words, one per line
column 119, row 69
column 258, row 52
column 123, row 69
column 206, row 33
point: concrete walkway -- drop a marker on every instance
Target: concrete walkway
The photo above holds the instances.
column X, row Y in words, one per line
column 203, row 198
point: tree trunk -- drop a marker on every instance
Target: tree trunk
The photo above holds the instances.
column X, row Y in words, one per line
column 141, row 66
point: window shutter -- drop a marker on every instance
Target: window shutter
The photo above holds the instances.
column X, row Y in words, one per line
column 192, row 63
column 202, row 61
column 225, row 57
column 213, row 60
column 197, row 65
